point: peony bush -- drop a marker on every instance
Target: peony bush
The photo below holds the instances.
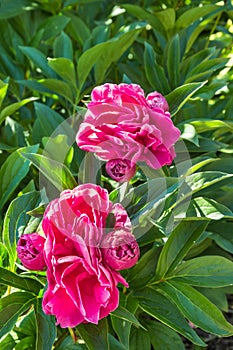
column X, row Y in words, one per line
column 116, row 178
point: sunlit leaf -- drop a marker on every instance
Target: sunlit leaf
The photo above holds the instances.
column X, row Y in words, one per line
column 3, row 91
column 9, row 110
column 11, row 307
column 26, row 283
column 12, row 172
column 178, row 97
column 57, row 173
column 178, row 244
column 16, row 221
column 102, row 55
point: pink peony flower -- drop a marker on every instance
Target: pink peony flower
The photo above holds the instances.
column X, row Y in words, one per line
column 120, row 250
column 121, row 123
column 120, row 170
column 30, row 251
column 81, row 285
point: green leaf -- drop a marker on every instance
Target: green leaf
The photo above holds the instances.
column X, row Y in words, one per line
column 95, row 336
column 38, row 59
column 217, row 296
column 196, row 13
column 142, row 14
column 221, row 232
column 9, row 110
column 178, row 244
column 139, row 339
column 205, row 271
column 162, row 309
column 62, row 47
column 144, row 270
column 173, row 61
column 57, row 148
column 54, row 25
column 220, row 164
column 122, row 319
column 26, row 283
column 59, row 87
column 199, row 163
column 8, row 343
column 25, row 343
column 13, row 134
column 114, row 343
column 26, row 325
column 203, row 207
column 45, row 329
column 197, row 308
column 12, row 8
column 193, row 61
column 78, row 29
column 167, row 17
column 90, row 169
column 205, row 69
column 57, row 173
column 178, row 97
column 163, row 337
column 3, row 91
column 3, row 255
column 49, row 123
column 12, row 172
column 52, row 6
column 201, row 182
column 209, row 208
column 64, row 67
column 188, row 132
column 104, row 54
column 38, row 212
column 34, row 85
column 16, row 221
column 155, row 73
column 153, row 199
column 11, row 307
column 125, row 315
column 203, row 125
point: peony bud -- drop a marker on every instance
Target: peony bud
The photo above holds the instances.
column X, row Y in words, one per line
column 156, row 100
column 30, row 251
column 120, row 250
column 120, row 170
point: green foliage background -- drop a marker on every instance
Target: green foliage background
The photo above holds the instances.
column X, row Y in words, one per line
column 52, row 54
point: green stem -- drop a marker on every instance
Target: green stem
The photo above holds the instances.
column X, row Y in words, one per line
column 212, row 30
column 73, row 335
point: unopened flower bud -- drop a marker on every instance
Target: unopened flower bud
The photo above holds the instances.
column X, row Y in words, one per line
column 120, row 170
column 156, row 100
column 120, row 250
column 30, row 251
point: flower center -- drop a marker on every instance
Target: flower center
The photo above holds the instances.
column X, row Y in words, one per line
column 119, row 169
